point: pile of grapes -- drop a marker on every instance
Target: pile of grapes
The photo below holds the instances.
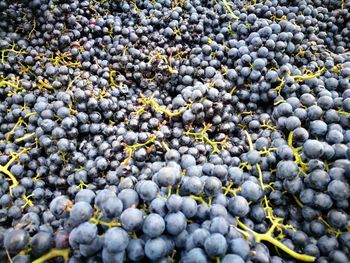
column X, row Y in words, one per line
column 187, row 131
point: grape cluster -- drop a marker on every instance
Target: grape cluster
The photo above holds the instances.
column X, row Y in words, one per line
column 186, row 131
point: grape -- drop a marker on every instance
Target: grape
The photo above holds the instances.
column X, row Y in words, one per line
column 116, row 240
column 147, row 190
column 215, row 245
column 188, row 207
column 202, row 212
column 109, row 257
column 262, row 253
column 85, row 195
column 293, row 186
column 337, row 218
column 175, row 223
column 253, row 157
column 219, row 225
column 41, row 243
column 338, row 256
column 238, row 206
column 174, row 203
column 212, row 186
column 30, row 222
column 174, row 131
column 257, row 213
column 287, row 170
column 61, row 239
column 192, row 185
column 199, row 236
column 327, row 244
column 155, row 248
column 131, row 219
column 168, row 176
column 181, row 239
column 102, row 196
column 323, row 201
column 15, row 240
column 318, row 179
column 235, row 174
column 338, row 190
column 92, row 248
column 21, row 259
column 232, row 258
column 135, row 249
column 218, row 209
column 59, row 205
column 129, row 197
column 153, row 225
column 158, row 206
column 194, row 171
column 313, row 149
column 80, row 212
column 112, row 207
column 74, row 238
column 195, row 255
column 172, row 155
column 251, row 191
column 86, row 233
column 220, row 171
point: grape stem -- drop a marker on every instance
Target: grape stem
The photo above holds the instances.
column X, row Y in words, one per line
column 268, row 237
column 52, row 254
column 249, row 140
column 303, row 166
column 158, row 108
column 203, row 137
column 310, row 76
column 199, row 199
column 130, row 149
column 25, row 137
column 5, row 169
column 228, row 7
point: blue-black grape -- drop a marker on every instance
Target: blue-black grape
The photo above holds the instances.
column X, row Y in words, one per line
column 15, row 240
column 238, row 206
column 41, row 243
column 154, row 130
column 232, row 258
column 112, row 207
column 195, row 255
column 135, row 249
column 155, row 248
column 215, row 245
column 175, row 223
column 240, row 246
column 116, row 240
column 109, row 257
column 86, row 233
column 131, row 219
column 94, row 247
column 153, row 225
column 80, row 212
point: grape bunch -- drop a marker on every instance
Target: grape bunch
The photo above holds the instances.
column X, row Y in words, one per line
column 187, row 131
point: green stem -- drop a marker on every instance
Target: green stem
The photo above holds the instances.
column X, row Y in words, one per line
column 199, row 199
column 169, row 191
column 250, row 142
column 25, row 137
column 260, row 176
column 52, row 254
column 268, row 237
column 228, row 7
column 305, row 77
